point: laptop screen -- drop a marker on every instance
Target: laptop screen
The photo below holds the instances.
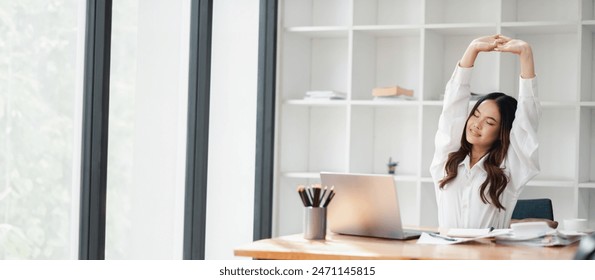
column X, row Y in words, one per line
column 364, row 204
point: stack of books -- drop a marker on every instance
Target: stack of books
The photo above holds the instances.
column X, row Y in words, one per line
column 392, row 93
column 324, row 95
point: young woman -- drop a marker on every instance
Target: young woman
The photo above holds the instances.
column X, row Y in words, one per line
column 484, row 157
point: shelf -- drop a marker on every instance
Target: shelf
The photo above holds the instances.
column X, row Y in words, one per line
column 389, row 30
column 342, row 103
column 541, row 27
column 313, row 102
column 431, row 103
column 320, row 31
column 427, row 180
column 405, row 178
column 589, row 25
column 587, row 185
column 302, row 175
column 381, row 103
column 462, row 28
column 353, row 46
column 544, row 104
column 554, row 105
column 436, row 103
column 551, row 183
column 532, row 183
column 316, row 175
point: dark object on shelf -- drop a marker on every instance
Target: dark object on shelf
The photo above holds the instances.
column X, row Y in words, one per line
column 392, row 166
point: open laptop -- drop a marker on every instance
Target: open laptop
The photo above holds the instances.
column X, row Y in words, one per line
column 365, row 205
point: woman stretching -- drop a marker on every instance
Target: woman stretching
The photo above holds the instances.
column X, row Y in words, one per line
column 484, row 157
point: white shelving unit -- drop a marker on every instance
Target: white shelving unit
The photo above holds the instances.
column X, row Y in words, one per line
column 352, row 46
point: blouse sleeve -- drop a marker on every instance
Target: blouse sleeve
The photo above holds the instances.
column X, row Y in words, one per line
column 523, row 152
column 452, row 120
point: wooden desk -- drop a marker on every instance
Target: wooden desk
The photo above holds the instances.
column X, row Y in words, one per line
column 343, row 247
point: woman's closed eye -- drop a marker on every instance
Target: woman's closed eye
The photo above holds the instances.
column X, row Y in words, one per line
column 488, row 120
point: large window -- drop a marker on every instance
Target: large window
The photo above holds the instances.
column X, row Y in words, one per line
column 41, row 62
column 42, row 71
column 147, row 129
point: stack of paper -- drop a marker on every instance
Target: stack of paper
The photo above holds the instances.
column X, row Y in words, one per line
column 468, row 232
column 554, row 238
column 538, row 234
column 526, row 234
column 324, row 95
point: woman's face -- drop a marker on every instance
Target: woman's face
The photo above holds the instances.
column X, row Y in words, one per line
column 483, row 127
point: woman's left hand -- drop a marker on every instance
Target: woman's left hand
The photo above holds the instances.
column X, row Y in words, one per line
column 515, row 46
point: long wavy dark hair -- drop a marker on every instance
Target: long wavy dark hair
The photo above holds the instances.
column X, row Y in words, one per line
column 496, row 180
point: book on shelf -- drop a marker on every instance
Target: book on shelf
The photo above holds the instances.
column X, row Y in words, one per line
column 391, row 91
column 324, row 95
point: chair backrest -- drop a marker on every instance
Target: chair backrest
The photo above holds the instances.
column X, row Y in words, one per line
column 586, row 249
column 540, row 208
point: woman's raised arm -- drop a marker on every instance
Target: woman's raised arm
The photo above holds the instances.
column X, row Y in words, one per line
column 523, row 50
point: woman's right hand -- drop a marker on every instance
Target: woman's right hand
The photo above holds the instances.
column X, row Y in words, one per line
column 486, row 43
column 481, row 44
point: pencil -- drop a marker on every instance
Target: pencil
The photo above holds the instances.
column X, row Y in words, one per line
column 330, row 196
column 302, row 193
column 310, row 195
column 323, row 193
column 316, row 195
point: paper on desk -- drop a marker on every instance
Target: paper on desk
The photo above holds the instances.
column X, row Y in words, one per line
column 425, row 238
column 468, row 232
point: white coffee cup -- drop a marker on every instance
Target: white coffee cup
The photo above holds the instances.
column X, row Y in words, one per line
column 575, row 225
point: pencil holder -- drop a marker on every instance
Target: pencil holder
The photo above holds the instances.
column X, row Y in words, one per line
column 314, row 223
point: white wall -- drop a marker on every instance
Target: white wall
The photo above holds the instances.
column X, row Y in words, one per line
column 232, row 132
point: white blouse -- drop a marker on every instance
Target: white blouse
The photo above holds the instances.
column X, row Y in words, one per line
column 459, row 202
